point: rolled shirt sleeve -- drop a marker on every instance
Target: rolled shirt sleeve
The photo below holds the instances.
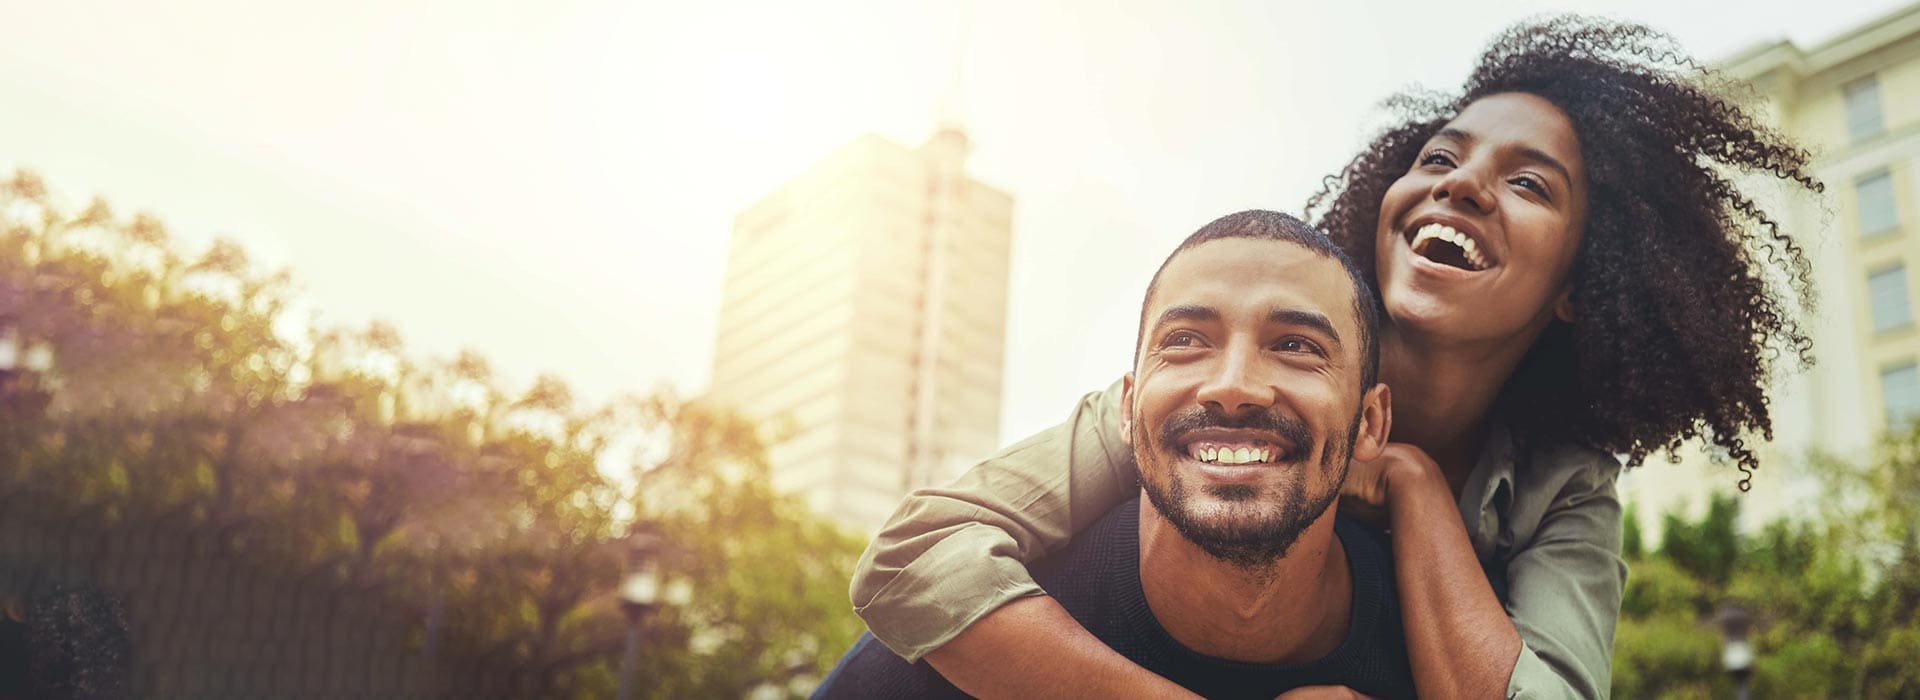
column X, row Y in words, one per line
column 1565, row 587
column 950, row 555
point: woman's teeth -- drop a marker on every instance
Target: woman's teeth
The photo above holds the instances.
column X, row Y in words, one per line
column 1425, row 238
column 1231, row 455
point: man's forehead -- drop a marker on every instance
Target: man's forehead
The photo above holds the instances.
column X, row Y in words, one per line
column 1257, row 270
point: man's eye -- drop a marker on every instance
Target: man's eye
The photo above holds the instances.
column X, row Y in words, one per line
column 1180, row 339
column 1297, row 344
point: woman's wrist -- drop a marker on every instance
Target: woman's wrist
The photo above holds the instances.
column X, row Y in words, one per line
column 1413, row 480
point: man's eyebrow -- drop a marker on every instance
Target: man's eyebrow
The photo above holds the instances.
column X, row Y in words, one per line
column 1309, row 319
column 1528, row 152
column 1187, row 312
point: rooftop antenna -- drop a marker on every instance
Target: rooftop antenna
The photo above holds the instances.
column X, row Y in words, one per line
column 949, row 110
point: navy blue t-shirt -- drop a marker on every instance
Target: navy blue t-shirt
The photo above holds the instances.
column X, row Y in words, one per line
column 1097, row 579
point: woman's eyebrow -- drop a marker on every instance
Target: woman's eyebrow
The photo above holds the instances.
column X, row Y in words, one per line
column 1456, row 134
column 1543, row 158
column 1465, row 137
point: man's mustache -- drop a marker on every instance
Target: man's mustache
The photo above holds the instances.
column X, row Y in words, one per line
column 1293, row 430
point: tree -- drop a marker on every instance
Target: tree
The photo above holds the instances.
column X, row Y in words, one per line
column 168, row 392
column 1834, row 598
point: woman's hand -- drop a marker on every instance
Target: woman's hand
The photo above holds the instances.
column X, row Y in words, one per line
column 1366, row 494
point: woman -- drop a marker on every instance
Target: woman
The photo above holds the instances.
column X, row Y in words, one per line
column 1567, row 275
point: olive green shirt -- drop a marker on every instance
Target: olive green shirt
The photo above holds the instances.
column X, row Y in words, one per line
column 1548, row 534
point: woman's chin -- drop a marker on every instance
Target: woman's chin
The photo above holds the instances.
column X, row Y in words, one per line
column 1419, row 314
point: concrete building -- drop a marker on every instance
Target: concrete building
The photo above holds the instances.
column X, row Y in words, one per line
column 1855, row 101
column 863, row 320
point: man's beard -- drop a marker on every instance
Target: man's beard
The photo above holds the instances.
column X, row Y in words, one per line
column 1258, row 538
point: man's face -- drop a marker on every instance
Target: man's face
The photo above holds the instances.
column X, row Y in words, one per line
column 1245, row 398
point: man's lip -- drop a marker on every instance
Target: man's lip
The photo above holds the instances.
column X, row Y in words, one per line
column 1236, row 473
column 1280, row 445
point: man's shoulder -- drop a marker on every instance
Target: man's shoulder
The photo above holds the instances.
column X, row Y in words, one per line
column 1109, row 546
column 1369, row 560
column 870, row 670
column 1354, row 533
column 1376, row 662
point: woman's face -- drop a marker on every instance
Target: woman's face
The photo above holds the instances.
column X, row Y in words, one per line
column 1477, row 241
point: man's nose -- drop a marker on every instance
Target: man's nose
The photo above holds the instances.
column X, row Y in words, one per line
column 1239, row 382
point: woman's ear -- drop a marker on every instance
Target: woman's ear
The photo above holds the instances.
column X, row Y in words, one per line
column 1376, row 423
column 1563, row 309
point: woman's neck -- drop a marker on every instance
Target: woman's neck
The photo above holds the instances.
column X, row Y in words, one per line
column 1443, row 395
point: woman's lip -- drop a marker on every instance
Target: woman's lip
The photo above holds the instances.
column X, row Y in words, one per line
column 1422, row 265
column 1412, row 230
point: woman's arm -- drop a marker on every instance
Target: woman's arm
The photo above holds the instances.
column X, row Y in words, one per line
column 1555, row 638
column 1459, row 639
column 1031, row 648
column 951, row 557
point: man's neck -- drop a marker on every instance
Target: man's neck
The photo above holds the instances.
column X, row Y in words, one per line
column 1291, row 612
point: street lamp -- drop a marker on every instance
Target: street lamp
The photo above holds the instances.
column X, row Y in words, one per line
column 22, row 358
column 1737, row 654
column 640, row 595
column 11, row 348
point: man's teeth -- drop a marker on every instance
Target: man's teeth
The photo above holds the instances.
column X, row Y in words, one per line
column 1232, row 455
column 1443, row 232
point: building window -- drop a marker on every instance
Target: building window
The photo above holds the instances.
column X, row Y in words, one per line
column 1900, row 389
column 1863, row 108
column 1887, row 295
column 1875, row 194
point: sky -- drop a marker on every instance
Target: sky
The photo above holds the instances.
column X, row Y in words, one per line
column 553, row 183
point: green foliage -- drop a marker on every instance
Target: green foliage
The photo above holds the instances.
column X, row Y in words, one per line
column 1833, row 602
column 1706, row 548
column 174, row 391
column 1632, row 540
column 772, row 605
column 1888, row 669
column 1656, row 587
column 1806, row 665
column 1665, row 656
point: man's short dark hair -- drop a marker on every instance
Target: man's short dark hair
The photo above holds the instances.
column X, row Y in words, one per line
column 1260, row 224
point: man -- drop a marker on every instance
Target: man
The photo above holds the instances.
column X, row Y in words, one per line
column 1252, row 390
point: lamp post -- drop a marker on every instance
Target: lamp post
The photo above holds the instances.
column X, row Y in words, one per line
column 640, row 592
column 23, row 361
column 1736, row 656
column 11, row 348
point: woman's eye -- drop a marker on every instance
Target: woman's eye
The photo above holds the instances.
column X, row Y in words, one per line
column 1436, row 158
column 1532, row 183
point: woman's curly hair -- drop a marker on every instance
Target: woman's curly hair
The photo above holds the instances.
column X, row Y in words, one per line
column 1677, row 323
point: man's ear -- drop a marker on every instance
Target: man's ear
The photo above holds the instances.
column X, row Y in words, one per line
column 1126, row 409
column 1376, row 423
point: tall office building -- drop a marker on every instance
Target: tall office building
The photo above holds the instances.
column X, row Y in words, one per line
column 1855, row 101
column 863, row 321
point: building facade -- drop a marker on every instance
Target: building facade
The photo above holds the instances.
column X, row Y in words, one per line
column 1854, row 100
column 863, row 322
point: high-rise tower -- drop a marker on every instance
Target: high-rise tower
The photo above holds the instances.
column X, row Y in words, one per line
column 863, row 319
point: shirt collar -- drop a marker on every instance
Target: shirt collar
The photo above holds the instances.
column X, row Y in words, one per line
column 1487, row 496
column 1497, row 458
